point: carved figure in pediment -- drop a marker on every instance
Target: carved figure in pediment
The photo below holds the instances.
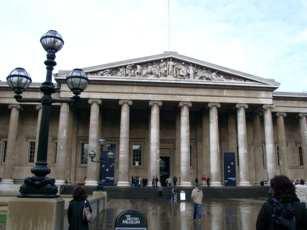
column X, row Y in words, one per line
column 170, row 67
column 147, row 71
column 130, row 71
column 121, row 71
column 201, row 74
column 105, row 72
column 155, row 70
column 190, row 71
column 180, row 71
column 163, row 68
column 217, row 77
column 138, row 71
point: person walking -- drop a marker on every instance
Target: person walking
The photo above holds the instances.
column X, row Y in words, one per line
column 283, row 210
column 79, row 210
column 174, row 181
column 197, row 198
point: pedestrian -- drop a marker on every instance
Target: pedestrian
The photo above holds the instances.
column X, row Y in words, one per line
column 160, row 188
column 196, row 181
column 173, row 195
column 156, row 182
column 283, row 210
column 197, row 199
column 208, row 181
column 174, row 181
column 204, row 180
column 79, row 210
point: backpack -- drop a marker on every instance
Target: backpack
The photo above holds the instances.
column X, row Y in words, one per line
column 87, row 215
column 283, row 215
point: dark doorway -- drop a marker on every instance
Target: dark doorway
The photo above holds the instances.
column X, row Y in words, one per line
column 107, row 159
column 164, row 169
column 229, row 169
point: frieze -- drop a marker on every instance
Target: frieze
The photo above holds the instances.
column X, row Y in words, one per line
column 170, row 69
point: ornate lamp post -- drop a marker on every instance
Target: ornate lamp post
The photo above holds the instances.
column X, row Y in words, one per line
column 39, row 185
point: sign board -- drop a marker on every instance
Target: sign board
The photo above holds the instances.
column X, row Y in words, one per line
column 182, row 196
column 131, row 220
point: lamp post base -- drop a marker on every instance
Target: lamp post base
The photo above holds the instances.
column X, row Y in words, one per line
column 36, row 186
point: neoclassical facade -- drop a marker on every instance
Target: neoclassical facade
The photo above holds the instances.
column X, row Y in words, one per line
column 164, row 115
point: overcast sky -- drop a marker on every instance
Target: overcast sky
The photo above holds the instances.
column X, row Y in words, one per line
column 265, row 38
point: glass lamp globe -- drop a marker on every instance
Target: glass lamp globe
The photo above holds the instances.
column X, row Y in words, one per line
column 77, row 81
column 52, row 41
column 19, row 80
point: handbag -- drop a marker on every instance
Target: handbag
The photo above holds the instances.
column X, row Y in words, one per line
column 86, row 213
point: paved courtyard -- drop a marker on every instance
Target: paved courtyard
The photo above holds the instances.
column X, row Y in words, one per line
column 162, row 215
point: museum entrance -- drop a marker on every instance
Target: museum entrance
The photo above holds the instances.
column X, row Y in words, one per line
column 107, row 163
column 229, row 169
column 164, row 169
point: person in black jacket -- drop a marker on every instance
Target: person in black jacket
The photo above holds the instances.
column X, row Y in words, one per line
column 283, row 210
column 76, row 219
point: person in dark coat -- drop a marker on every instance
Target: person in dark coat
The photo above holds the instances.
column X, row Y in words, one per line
column 75, row 216
column 283, row 210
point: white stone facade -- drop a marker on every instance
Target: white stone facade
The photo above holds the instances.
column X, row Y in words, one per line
column 172, row 106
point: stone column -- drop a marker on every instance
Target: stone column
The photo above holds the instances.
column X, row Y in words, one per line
column 257, row 148
column 62, row 144
column 303, row 130
column 123, row 166
column 185, row 179
column 215, row 158
column 281, row 135
column 93, row 167
column 242, row 145
column 11, row 145
column 39, row 117
column 154, row 140
column 269, row 141
column 205, row 170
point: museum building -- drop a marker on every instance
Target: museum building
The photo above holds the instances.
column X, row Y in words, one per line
column 163, row 115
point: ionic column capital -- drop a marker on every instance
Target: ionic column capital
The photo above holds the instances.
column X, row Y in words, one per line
column 158, row 103
column 94, row 101
column 280, row 114
column 185, row 103
column 241, row 105
column 268, row 107
column 16, row 106
column 122, row 102
column 212, row 104
column 301, row 115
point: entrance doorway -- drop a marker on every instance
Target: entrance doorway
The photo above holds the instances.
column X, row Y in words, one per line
column 107, row 163
column 229, row 169
column 164, row 169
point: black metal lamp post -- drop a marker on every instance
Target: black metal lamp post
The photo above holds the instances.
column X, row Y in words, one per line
column 40, row 185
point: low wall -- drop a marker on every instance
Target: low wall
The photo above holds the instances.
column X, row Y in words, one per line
column 98, row 202
column 301, row 192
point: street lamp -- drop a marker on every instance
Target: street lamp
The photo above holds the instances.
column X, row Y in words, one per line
column 40, row 185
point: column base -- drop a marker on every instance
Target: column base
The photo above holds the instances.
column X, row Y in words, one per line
column 59, row 182
column 123, row 184
column 185, row 184
column 245, row 183
column 91, row 183
column 215, row 184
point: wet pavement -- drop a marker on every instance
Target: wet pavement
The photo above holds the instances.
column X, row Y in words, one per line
column 230, row 214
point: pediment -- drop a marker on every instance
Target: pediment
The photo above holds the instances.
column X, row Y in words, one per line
column 172, row 67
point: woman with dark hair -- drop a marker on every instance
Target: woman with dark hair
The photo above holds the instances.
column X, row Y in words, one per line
column 283, row 210
column 76, row 213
